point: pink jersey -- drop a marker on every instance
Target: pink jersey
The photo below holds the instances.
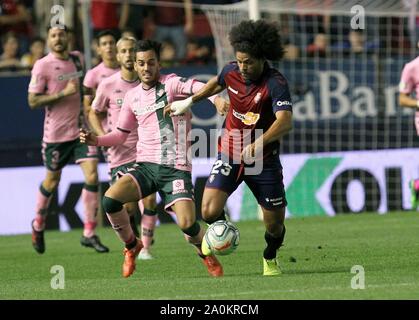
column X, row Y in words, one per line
column 94, row 77
column 161, row 139
column 409, row 82
column 50, row 75
column 109, row 98
column 97, row 74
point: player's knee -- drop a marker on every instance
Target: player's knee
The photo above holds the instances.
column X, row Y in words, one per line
column 209, row 212
column 150, row 202
column 51, row 183
column 192, row 230
column 275, row 228
column 131, row 208
column 92, row 178
column 206, row 209
column 186, row 222
column 111, row 205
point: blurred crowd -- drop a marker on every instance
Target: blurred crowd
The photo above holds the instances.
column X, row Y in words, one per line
column 185, row 31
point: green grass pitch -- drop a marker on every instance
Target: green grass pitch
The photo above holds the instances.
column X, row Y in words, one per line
column 316, row 261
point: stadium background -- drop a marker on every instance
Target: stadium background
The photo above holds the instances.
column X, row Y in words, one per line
column 352, row 149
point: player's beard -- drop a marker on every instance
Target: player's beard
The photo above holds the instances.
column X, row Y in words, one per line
column 63, row 48
column 151, row 81
column 129, row 67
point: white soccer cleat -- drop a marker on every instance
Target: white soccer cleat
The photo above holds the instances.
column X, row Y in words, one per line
column 145, row 255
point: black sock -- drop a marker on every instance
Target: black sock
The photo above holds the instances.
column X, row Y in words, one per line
column 134, row 225
column 273, row 244
column 132, row 244
column 222, row 216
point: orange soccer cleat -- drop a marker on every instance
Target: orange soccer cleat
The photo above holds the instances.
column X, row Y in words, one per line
column 128, row 267
column 213, row 265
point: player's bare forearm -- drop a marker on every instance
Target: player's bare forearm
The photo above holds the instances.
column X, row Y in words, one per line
column 37, row 101
column 88, row 96
column 95, row 121
column 407, row 101
column 281, row 126
column 211, row 88
column 87, row 107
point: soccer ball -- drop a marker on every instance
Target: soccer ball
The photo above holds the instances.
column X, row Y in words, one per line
column 222, row 238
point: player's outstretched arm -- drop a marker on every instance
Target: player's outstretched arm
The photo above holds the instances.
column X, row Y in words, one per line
column 179, row 107
column 116, row 137
column 406, row 101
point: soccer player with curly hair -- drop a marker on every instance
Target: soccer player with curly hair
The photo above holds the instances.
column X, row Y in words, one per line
column 260, row 101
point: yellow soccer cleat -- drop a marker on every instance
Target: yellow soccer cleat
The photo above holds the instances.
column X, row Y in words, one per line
column 271, row 267
column 206, row 251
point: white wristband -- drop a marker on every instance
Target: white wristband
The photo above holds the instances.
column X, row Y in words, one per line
column 181, row 106
column 417, row 104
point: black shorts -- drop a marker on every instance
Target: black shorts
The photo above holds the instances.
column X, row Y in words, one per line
column 267, row 186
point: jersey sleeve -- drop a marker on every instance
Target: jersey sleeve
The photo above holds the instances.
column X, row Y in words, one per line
column 280, row 94
column 127, row 120
column 406, row 82
column 101, row 101
column 89, row 80
column 182, row 87
column 38, row 82
column 221, row 77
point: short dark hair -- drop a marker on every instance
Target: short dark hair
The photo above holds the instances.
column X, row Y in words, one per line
column 105, row 33
column 146, row 45
column 260, row 39
column 65, row 28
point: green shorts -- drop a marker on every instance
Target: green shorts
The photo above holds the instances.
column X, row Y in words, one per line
column 119, row 171
column 57, row 155
column 172, row 184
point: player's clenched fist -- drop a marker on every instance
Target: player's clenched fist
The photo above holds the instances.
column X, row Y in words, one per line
column 88, row 137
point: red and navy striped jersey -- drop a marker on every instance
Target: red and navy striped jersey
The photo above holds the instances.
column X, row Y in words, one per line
column 253, row 105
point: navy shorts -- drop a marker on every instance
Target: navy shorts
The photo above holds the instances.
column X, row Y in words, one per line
column 267, row 186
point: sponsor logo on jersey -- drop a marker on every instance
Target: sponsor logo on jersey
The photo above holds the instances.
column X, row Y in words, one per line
column 161, row 93
column 69, row 76
column 248, row 119
column 178, row 186
column 283, row 103
column 139, row 111
column 34, row 81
